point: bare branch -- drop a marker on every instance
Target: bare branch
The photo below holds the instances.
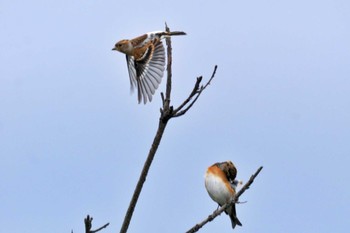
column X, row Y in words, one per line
column 169, row 69
column 98, row 229
column 247, row 185
column 211, row 78
column 224, row 207
column 88, row 225
column 195, row 92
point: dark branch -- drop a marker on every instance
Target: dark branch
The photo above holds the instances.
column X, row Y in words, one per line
column 197, row 91
column 193, row 93
column 247, row 185
column 88, row 225
column 224, row 207
column 98, row 229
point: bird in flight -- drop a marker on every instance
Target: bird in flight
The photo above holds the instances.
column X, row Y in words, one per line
column 221, row 183
column 145, row 58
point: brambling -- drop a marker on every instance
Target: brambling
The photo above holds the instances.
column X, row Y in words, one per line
column 145, row 57
column 221, row 186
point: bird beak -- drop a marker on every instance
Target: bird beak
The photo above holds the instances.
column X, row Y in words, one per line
column 114, row 48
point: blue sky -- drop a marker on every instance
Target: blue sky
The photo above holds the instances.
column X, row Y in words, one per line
column 73, row 140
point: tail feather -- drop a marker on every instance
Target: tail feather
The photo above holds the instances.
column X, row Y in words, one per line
column 234, row 220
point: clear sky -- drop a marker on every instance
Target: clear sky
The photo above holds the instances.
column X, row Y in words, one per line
column 73, row 139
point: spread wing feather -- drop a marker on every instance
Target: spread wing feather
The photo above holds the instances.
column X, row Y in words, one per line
column 146, row 73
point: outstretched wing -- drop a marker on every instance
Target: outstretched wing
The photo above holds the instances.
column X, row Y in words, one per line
column 147, row 71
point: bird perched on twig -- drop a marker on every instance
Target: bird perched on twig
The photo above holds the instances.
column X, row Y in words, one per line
column 221, row 183
column 145, row 57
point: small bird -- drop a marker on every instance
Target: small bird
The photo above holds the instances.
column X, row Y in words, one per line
column 221, row 186
column 145, row 57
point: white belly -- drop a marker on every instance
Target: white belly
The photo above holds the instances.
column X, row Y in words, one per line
column 217, row 189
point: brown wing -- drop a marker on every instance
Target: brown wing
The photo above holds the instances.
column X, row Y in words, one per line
column 138, row 41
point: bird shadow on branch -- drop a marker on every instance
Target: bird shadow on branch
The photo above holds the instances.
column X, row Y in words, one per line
column 227, row 205
column 167, row 112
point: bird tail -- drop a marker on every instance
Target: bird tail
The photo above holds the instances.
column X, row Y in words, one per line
column 234, row 220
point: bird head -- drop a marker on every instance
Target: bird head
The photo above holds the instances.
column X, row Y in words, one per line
column 124, row 46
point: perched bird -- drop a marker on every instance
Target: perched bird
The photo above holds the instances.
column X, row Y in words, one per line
column 145, row 57
column 221, row 186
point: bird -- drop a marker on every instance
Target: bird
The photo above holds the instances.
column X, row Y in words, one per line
column 221, row 183
column 145, row 58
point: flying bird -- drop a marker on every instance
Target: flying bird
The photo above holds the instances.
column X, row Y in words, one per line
column 145, row 58
column 221, row 186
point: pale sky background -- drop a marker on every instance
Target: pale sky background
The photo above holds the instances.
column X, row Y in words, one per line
column 73, row 140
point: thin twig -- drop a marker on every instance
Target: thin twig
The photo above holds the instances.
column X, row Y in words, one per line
column 194, row 91
column 98, row 229
column 211, row 78
column 179, row 112
column 247, row 185
column 88, row 225
column 224, row 207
